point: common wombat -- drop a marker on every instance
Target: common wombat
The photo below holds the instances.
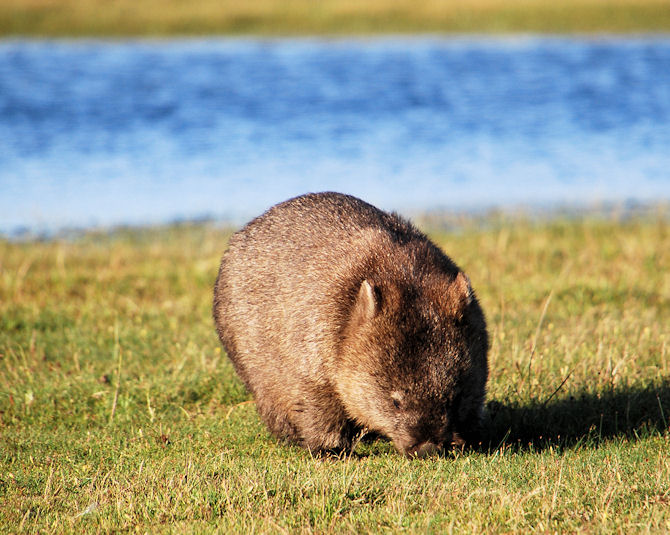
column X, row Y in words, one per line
column 340, row 318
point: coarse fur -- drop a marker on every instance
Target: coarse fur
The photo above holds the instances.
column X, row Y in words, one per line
column 340, row 317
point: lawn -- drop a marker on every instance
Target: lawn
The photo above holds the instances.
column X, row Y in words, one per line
column 119, row 412
column 299, row 17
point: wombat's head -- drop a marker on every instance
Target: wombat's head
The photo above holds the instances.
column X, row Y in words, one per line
column 413, row 362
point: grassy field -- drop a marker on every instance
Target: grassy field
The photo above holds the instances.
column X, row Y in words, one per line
column 282, row 17
column 120, row 413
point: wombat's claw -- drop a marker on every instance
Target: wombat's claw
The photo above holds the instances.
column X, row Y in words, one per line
column 343, row 452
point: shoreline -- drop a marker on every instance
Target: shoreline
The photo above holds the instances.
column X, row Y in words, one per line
column 399, row 37
column 441, row 219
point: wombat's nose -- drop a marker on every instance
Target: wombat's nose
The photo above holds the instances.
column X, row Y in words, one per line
column 457, row 441
column 422, row 450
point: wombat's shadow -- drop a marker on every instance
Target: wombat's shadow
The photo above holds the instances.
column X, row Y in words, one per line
column 585, row 417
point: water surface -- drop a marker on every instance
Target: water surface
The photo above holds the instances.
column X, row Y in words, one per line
column 105, row 132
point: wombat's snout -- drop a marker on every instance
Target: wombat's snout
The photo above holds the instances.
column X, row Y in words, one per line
column 422, row 450
column 428, row 447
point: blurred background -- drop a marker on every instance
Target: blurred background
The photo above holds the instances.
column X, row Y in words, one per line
column 155, row 112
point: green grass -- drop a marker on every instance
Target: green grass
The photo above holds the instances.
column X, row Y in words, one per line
column 120, row 413
column 282, row 17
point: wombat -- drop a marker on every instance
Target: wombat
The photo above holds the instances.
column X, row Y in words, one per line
column 341, row 319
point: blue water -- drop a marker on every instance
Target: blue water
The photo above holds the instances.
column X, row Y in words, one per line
column 102, row 133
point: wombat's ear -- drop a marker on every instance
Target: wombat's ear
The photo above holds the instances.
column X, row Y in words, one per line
column 366, row 306
column 462, row 289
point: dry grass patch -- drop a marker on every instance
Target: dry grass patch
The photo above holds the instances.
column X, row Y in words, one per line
column 277, row 17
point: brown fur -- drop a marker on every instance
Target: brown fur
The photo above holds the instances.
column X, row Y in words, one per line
column 339, row 318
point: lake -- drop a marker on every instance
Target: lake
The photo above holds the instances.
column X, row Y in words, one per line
column 99, row 133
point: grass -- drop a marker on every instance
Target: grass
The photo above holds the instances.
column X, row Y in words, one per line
column 297, row 17
column 119, row 412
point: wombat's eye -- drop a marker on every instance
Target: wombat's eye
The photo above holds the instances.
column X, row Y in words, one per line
column 397, row 398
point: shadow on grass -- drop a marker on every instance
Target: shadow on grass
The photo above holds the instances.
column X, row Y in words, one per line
column 588, row 417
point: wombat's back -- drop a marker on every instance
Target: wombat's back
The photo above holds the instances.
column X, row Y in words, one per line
column 287, row 276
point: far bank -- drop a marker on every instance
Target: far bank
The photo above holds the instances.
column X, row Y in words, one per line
column 121, row 18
